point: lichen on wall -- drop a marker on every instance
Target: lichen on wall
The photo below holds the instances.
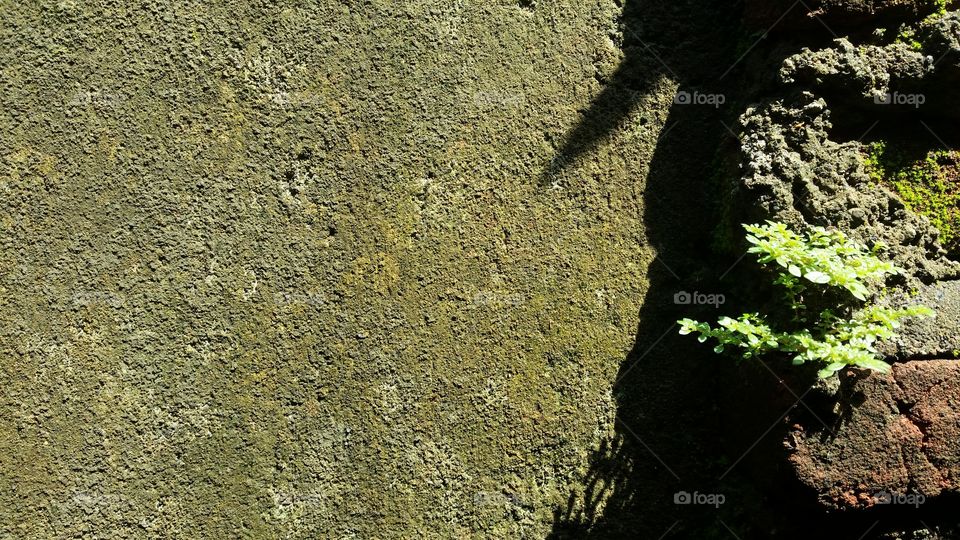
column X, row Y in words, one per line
column 286, row 270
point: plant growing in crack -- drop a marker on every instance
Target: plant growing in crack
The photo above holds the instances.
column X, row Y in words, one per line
column 820, row 267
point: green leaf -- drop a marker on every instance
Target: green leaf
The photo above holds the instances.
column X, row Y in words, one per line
column 823, row 257
column 828, row 371
column 817, row 277
column 874, row 364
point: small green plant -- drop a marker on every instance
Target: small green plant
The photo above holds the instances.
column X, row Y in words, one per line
column 810, row 267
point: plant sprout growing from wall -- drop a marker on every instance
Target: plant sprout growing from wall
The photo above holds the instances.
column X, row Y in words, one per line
column 810, row 267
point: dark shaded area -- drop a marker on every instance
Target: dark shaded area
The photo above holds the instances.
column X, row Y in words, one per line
column 669, row 434
column 690, row 423
column 834, row 16
column 675, row 40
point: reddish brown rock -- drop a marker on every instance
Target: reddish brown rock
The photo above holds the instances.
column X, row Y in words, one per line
column 898, row 439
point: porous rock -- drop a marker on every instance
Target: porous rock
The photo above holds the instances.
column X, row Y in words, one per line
column 928, row 337
column 924, row 72
column 832, row 15
column 792, row 172
column 898, row 444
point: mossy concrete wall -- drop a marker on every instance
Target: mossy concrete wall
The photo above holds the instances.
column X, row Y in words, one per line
column 293, row 269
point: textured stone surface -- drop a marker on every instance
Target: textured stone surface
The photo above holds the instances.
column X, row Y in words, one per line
column 791, row 171
column 942, row 38
column 840, row 15
column 286, row 269
column 930, row 337
column 898, row 434
column 866, row 75
column 868, row 69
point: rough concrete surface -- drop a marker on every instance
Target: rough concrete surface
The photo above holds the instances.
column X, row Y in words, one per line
column 286, row 270
column 385, row 269
column 895, row 444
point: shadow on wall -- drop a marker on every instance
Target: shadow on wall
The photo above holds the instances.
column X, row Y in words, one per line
column 668, row 439
column 696, row 452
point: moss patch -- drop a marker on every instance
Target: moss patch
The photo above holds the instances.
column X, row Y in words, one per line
column 929, row 184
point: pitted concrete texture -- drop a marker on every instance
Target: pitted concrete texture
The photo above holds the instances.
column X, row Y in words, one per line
column 287, row 270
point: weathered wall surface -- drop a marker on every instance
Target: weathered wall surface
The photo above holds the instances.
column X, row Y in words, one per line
column 288, row 270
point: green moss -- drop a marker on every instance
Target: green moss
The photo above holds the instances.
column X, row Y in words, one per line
column 907, row 33
column 928, row 185
column 941, row 9
column 908, row 36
